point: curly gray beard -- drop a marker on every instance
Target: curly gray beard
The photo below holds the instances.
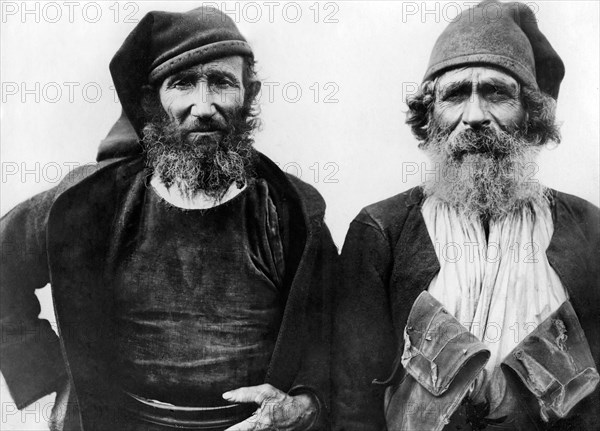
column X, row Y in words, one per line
column 208, row 164
column 486, row 173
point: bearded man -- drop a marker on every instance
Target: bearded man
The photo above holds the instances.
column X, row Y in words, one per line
column 189, row 279
column 472, row 302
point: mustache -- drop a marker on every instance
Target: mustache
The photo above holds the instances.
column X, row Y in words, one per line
column 488, row 141
column 484, row 171
column 205, row 125
column 229, row 122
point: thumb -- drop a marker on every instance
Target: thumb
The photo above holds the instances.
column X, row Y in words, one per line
column 253, row 394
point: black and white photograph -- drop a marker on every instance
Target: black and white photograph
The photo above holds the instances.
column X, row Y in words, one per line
column 300, row 215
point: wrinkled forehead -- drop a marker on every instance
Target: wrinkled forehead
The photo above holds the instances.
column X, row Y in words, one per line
column 475, row 75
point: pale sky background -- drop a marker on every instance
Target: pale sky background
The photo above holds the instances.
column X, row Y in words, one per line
column 361, row 56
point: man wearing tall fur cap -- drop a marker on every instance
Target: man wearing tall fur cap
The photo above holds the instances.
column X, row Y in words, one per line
column 472, row 301
column 189, row 273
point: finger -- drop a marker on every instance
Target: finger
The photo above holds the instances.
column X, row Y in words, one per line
column 246, row 425
column 254, row 394
column 251, row 424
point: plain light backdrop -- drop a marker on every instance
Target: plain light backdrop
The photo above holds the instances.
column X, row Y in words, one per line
column 335, row 77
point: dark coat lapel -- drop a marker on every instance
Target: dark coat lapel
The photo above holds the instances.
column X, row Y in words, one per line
column 301, row 209
column 416, row 264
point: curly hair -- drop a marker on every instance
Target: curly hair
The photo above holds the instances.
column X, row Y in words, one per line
column 541, row 126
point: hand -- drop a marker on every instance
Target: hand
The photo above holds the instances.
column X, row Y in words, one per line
column 277, row 411
column 59, row 409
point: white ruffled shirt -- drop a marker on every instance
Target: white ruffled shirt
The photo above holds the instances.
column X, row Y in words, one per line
column 501, row 288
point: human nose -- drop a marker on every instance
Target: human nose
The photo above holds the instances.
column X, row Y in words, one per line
column 203, row 102
column 475, row 114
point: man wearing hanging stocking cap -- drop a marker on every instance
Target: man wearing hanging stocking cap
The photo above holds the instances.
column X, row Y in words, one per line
column 189, row 273
column 472, row 301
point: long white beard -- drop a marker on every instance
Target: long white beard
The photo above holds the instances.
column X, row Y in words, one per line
column 489, row 174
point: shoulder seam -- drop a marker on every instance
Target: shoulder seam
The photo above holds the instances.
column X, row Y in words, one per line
column 376, row 227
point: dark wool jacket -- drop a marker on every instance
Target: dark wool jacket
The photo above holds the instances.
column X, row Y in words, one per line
column 388, row 260
column 61, row 237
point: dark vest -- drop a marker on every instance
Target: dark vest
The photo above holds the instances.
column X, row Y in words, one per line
column 197, row 296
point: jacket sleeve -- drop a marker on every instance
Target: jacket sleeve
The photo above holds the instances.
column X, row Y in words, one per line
column 585, row 222
column 364, row 344
column 314, row 374
column 30, row 354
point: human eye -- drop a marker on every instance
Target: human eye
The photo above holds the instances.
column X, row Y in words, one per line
column 182, row 83
column 456, row 94
column 221, row 81
column 496, row 92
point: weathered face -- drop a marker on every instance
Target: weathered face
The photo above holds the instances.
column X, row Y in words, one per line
column 200, row 98
column 199, row 133
column 477, row 137
column 478, row 97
